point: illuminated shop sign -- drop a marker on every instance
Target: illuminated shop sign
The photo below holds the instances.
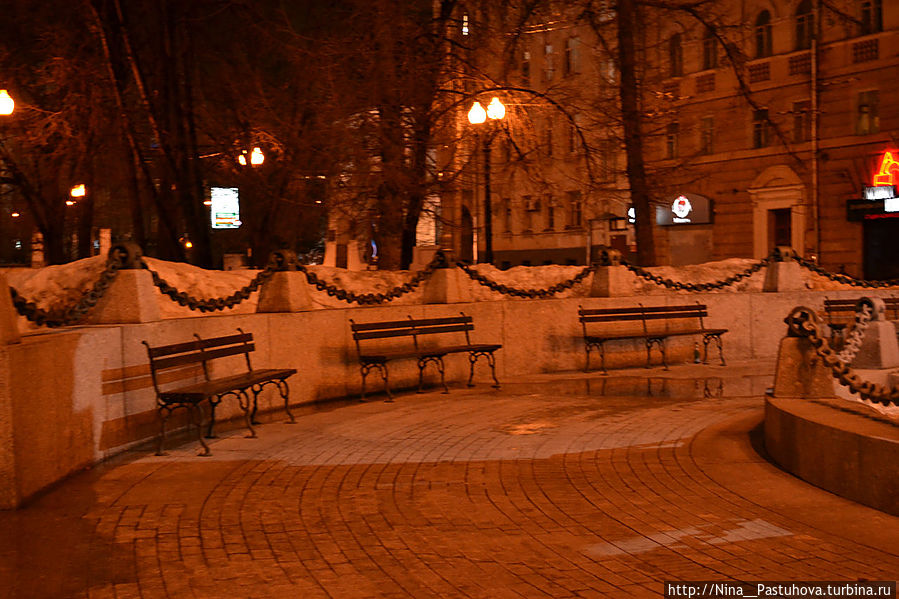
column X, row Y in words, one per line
column 684, row 209
column 879, row 192
column 888, row 171
column 225, row 209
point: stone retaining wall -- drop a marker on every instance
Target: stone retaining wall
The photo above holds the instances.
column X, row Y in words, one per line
column 72, row 397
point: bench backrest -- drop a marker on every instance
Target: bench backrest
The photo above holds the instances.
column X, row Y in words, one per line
column 411, row 327
column 644, row 314
column 842, row 311
column 199, row 351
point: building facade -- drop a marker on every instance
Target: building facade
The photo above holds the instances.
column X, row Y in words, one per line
column 767, row 118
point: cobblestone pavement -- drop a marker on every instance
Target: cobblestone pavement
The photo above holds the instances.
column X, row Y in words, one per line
column 555, row 486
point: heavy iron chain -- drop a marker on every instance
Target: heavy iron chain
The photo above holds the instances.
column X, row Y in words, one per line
column 76, row 313
column 846, row 279
column 677, row 285
column 211, row 304
column 531, row 293
column 439, row 261
column 803, row 322
column 864, row 312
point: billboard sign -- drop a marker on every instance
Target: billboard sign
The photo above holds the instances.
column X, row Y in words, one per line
column 225, row 208
column 684, row 209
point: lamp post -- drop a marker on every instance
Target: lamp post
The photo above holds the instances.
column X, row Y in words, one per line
column 476, row 116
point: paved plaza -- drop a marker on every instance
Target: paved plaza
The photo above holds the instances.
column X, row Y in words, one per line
column 563, row 485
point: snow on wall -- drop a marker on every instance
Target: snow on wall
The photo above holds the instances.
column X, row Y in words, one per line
column 56, row 287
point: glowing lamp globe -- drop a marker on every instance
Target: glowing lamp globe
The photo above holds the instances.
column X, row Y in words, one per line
column 477, row 114
column 7, row 104
column 496, row 110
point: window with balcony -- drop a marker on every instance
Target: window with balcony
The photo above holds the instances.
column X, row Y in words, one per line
column 871, row 16
column 763, row 45
column 805, row 25
column 675, row 56
column 760, row 128
column 867, row 114
column 709, row 50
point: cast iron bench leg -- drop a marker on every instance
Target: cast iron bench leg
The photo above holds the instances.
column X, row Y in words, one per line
column 284, row 390
column 491, row 359
column 602, row 357
column 440, row 367
column 195, row 417
column 164, row 413
column 243, row 398
column 473, row 358
column 213, row 402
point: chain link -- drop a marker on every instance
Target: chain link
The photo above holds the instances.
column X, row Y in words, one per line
column 211, row 304
column 374, row 298
column 73, row 314
column 803, row 322
column 678, row 286
column 864, row 311
column 531, row 293
column 846, row 279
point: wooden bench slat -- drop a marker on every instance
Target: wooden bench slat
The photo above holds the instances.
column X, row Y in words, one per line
column 385, row 334
column 174, row 348
column 377, row 326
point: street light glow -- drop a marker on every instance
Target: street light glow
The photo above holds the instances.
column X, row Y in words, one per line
column 257, row 157
column 496, row 110
column 7, row 104
column 15, row 215
column 477, row 114
column 78, row 191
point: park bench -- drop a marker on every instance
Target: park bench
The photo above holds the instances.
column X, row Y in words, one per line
column 240, row 384
column 378, row 343
column 654, row 325
column 840, row 313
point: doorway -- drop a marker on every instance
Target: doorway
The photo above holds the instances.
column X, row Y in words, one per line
column 780, row 231
column 881, row 252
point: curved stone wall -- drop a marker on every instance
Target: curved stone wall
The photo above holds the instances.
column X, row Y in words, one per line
column 838, row 446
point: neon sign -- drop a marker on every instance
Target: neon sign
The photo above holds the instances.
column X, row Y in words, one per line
column 887, row 172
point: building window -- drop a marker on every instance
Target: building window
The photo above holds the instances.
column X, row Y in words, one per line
column 550, row 213
column 707, row 135
column 572, row 56
column 548, row 137
column 575, row 209
column 507, row 214
column 549, row 68
column 607, row 158
column 709, row 50
column 528, row 212
column 760, row 127
column 465, row 25
column 675, row 56
column 763, row 35
column 574, row 138
column 802, row 121
column 671, row 132
column 526, row 68
column 868, row 120
column 805, row 25
column 871, row 20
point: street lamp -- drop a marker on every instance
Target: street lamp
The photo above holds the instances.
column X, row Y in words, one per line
column 256, row 157
column 496, row 111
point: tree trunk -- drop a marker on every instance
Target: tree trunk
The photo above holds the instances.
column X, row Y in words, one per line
column 633, row 140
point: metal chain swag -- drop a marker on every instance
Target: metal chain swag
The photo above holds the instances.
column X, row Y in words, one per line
column 283, row 260
column 677, row 285
column 803, row 322
column 72, row 315
column 531, row 293
column 864, row 311
column 846, row 279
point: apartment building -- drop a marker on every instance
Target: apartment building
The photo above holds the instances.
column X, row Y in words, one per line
column 766, row 120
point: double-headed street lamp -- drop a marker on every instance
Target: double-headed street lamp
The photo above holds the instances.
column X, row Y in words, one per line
column 477, row 116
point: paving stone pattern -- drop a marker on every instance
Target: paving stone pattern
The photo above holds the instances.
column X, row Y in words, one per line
column 551, row 487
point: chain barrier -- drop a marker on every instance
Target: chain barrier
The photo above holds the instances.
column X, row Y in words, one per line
column 803, row 322
column 72, row 315
column 211, row 304
column 864, row 312
column 531, row 293
column 677, row 285
column 845, row 279
column 332, row 290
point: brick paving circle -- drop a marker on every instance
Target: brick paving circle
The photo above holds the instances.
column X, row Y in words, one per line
column 548, row 488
